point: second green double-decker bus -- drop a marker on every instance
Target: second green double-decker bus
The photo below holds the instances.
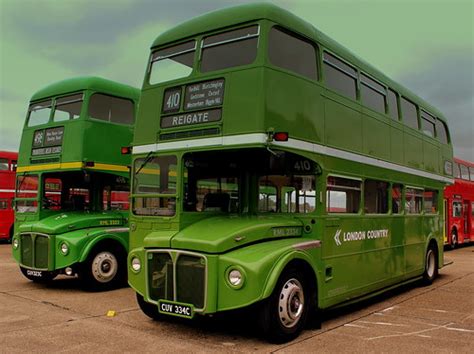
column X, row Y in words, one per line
column 71, row 206
column 272, row 167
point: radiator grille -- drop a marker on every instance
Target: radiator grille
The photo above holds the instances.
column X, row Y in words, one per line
column 180, row 278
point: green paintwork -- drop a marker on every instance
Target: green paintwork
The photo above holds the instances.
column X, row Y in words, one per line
column 259, row 98
column 85, row 140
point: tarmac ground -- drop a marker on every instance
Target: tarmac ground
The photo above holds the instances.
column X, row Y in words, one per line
column 61, row 317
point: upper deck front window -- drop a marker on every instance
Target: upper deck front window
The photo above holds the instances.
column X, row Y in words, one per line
column 39, row 113
column 230, row 49
column 172, row 63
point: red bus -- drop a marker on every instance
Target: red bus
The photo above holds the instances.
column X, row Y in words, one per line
column 8, row 161
column 459, row 205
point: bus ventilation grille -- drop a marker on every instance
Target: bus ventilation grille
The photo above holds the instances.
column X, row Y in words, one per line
column 52, row 159
column 190, row 134
column 186, row 272
column 34, row 250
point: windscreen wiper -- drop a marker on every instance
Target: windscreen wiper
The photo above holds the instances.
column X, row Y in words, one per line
column 147, row 159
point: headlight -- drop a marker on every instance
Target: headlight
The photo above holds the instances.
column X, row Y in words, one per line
column 15, row 243
column 64, row 248
column 235, row 277
column 136, row 265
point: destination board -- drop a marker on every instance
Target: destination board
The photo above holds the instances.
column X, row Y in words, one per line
column 193, row 118
column 47, row 141
column 204, row 94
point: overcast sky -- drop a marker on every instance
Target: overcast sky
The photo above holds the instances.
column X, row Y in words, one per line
column 426, row 45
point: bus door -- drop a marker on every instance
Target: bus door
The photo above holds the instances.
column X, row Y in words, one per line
column 467, row 219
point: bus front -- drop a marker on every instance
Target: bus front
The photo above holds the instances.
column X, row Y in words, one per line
column 222, row 211
column 71, row 204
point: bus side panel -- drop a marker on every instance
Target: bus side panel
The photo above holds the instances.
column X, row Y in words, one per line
column 414, row 244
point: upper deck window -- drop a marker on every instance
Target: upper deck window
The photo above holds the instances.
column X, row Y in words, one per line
column 428, row 124
column 410, row 116
column 289, row 52
column 393, row 104
column 464, row 172
column 68, row 107
column 471, row 172
column 230, row 49
column 441, row 131
column 457, row 170
column 111, row 109
column 39, row 113
column 172, row 63
column 373, row 94
column 340, row 76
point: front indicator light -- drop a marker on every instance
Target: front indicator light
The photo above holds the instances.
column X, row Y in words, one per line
column 235, row 277
column 136, row 265
column 64, row 248
column 15, row 244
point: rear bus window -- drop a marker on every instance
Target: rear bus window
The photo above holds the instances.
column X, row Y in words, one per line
column 68, row 107
column 111, row 109
column 38, row 113
column 343, row 195
column 230, row 49
column 172, row 63
column 289, row 52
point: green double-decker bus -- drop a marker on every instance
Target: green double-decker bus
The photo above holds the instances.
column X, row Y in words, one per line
column 72, row 189
column 276, row 171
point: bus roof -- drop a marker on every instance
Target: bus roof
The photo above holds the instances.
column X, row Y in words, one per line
column 87, row 83
column 464, row 162
column 8, row 154
column 232, row 16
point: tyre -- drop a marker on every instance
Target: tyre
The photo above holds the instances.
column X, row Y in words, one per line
column 104, row 269
column 283, row 315
column 431, row 265
column 38, row 276
column 454, row 239
column 151, row 310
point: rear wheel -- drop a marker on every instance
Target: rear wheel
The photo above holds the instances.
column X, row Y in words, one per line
column 38, row 276
column 454, row 239
column 104, row 269
column 151, row 310
column 283, row 315
column 431, row 265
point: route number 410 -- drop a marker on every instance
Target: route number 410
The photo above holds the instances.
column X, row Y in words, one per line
column 173, row 101
column 302, row 165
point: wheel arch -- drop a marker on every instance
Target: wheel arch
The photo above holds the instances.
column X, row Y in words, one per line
column 104, row 241
column 300, row 261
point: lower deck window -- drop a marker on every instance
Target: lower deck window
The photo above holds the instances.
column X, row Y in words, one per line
column 343, row 195
column 430, row 201
column 413, row 201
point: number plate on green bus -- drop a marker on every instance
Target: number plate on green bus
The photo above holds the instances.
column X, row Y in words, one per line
column 175, row 308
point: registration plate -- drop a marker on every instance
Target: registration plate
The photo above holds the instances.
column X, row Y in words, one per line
column 34, row 273
column 175, row 309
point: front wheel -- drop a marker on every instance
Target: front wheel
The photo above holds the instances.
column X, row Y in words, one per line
column 38, row 276
column 104, row 269
column 431, row 265
column 283, row 315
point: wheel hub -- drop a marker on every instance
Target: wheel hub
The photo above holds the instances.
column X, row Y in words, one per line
column 291, row 303
column 104, row 267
